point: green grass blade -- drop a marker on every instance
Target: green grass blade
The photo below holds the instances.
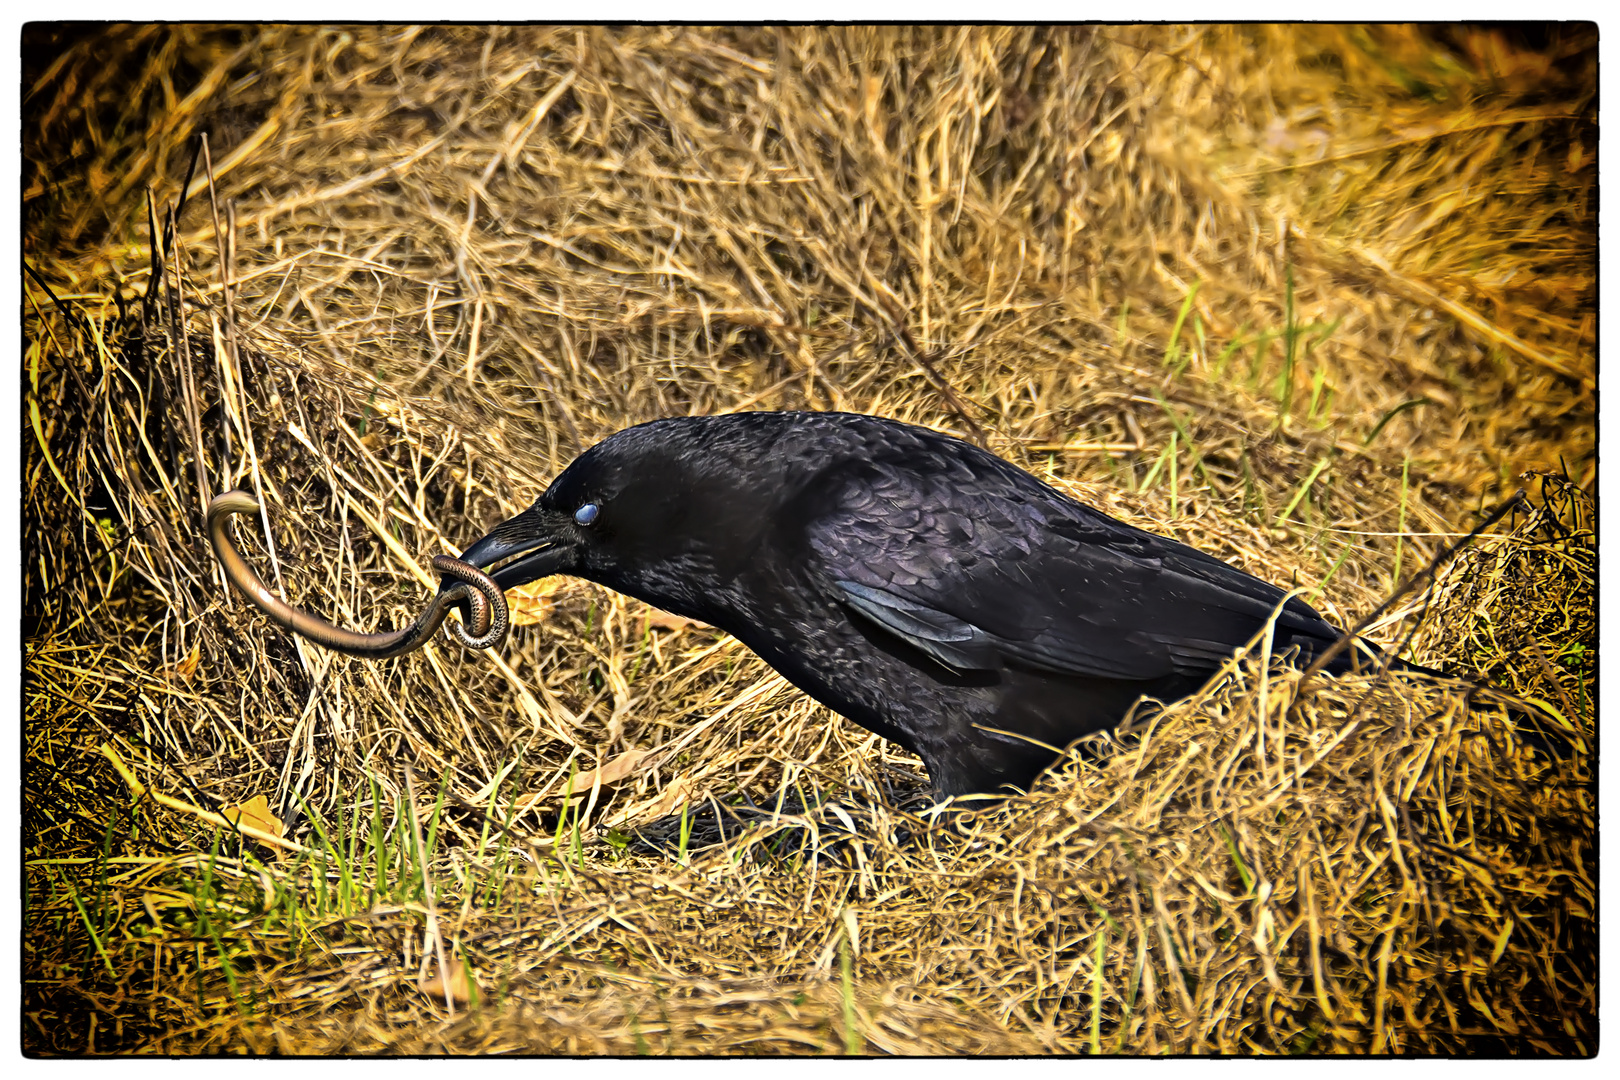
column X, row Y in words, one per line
column 853, row 1043
column 89, row 927
column 1096, row 994
column 1392, row 414
column 1172, row 350
column 1299, row 495
column 1186, row 437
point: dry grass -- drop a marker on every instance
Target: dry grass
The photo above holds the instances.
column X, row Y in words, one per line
column 1305, row 298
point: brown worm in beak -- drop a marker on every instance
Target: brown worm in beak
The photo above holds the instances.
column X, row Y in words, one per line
column 482, row 603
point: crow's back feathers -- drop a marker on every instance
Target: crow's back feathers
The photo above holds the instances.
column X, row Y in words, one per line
column 979, row 564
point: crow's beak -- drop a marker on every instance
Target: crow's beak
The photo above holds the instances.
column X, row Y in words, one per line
column 534, row 544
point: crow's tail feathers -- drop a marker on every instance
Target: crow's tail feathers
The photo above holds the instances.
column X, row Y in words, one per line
column 1540, row 732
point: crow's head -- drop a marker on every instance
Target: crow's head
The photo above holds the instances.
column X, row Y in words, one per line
column 649, row 507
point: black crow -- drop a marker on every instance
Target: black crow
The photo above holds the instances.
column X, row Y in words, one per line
column 922, row 587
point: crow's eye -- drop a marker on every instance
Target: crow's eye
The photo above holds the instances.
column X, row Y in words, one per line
column 587, row 513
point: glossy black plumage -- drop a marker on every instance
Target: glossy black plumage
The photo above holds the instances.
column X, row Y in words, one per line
column 920, row 586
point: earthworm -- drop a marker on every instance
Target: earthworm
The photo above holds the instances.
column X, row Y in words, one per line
column 482, row 603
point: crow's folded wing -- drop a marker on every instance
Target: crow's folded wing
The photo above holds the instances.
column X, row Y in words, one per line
column 976, row 573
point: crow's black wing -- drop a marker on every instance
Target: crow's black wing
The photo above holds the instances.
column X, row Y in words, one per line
column 977, row 564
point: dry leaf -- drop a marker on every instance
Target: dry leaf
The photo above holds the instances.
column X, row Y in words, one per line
column 184, row 669
column 255, row 813
column 671, row 798
column 665, row 803
column 463, row 982
column 614, row 771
